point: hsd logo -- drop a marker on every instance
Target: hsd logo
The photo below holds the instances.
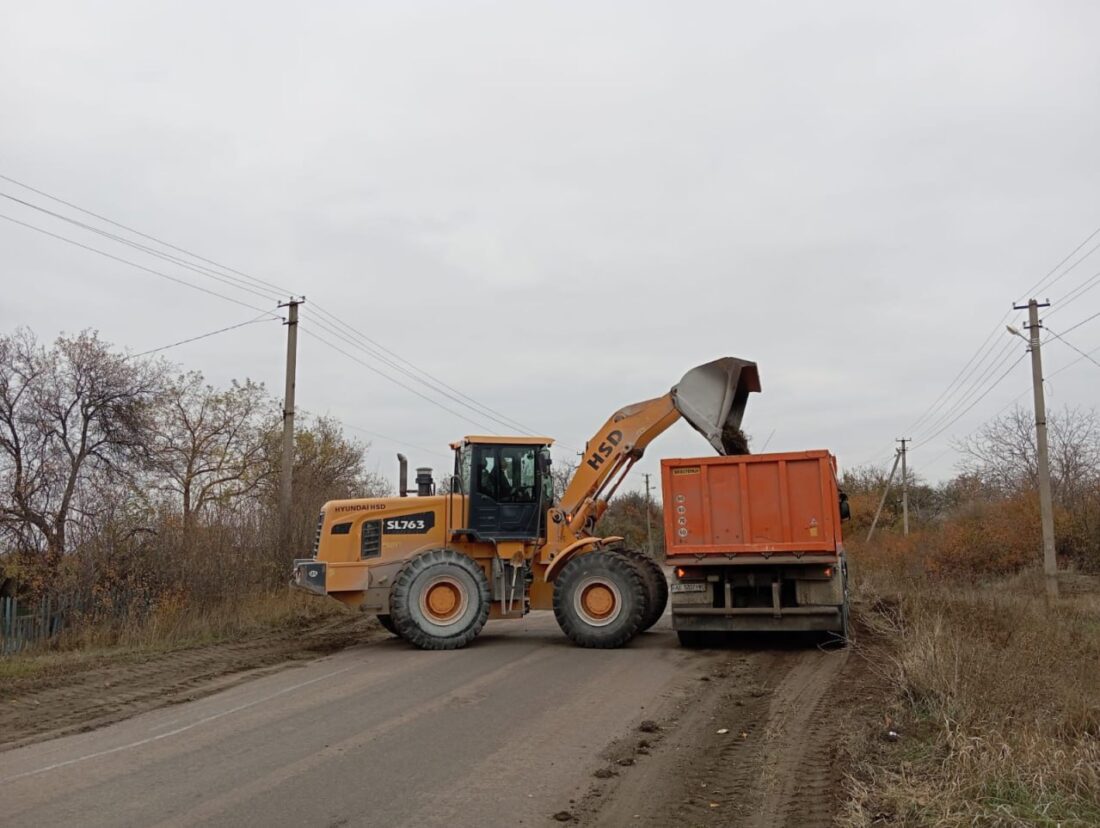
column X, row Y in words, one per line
column 603, row 451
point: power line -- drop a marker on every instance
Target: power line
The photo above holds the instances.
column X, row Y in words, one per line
column 411, row 390
column 1040, row 284
column 239, row 284
column 1074, row 347
column 1077, row 292
column 481, row 407
column 222, row 274
column 396, row 441
column 1000, row 357
column 1072, row 328
column 912, row 426
column 282, row 291
column 986, row 348
column 135, row 264
column 327, row 327
column 262, row 318
column 985, row 393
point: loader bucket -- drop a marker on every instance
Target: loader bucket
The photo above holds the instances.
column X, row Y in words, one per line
column 712, row 398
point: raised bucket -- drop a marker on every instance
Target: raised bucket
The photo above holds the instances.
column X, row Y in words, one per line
column 712, row 397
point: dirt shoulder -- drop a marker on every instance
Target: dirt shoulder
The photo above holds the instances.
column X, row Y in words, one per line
column 78, row 692
column 763, row 742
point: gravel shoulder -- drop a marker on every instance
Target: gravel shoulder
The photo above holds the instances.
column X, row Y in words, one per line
column 762, row 742
column 82, row 694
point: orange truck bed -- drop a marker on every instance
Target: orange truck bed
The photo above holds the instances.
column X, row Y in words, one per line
column 751, row 504
column 754, row 543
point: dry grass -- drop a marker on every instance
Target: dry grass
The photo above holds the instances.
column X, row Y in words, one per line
column 172, row 626
column 997, row 702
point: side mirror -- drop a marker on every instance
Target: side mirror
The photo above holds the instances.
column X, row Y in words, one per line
column 543, row 460
column 845, row 509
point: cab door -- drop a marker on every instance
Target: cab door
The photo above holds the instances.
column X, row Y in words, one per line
column 505, row 492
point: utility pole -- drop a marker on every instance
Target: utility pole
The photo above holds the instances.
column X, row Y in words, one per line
column 286, row 481
column 886, row 491
column 648, row 520
column 1046, row 508
column 904, row 487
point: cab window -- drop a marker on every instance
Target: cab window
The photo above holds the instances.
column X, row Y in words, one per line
column 485, row 475
column 464, row 467
column 516, row 482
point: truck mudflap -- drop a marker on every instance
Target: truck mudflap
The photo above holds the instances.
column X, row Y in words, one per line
column 309, row 575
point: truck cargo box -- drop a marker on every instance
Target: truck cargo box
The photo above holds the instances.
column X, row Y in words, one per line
column 759, row 505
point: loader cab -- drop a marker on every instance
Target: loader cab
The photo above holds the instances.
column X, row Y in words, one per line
column 506, row 481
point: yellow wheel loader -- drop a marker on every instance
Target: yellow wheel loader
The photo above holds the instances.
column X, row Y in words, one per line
column 435, row 567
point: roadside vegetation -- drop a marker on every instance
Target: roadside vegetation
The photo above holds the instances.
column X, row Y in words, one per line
column 995, row 692
column 138, row 504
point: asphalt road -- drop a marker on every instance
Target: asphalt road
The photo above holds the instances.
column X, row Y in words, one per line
column 505, row 732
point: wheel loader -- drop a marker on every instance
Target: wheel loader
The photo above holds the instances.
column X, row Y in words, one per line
column 435, row 566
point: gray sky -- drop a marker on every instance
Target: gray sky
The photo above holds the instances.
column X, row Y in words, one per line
column 557, row 208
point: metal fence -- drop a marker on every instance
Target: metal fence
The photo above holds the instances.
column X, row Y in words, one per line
column 23, row 624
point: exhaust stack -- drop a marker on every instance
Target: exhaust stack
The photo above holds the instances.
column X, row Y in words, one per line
column 402, row 475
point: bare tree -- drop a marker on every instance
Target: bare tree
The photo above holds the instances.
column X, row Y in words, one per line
column 1002, row 454
column 67, row 414
column 209, row 445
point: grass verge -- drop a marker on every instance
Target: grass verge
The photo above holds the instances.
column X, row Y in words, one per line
column 996, row 700
column 171, row 627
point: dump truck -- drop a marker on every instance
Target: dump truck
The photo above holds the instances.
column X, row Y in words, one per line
column 435, row 566
column 754, row 543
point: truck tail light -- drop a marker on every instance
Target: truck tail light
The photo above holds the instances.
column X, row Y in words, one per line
column 828, row 572
column 680, row 572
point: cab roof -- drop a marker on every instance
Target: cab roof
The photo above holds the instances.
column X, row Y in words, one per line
column 503, row 441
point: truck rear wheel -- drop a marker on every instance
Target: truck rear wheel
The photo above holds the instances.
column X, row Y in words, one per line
column 599, row 599
column 440, row 600
column 656, row 587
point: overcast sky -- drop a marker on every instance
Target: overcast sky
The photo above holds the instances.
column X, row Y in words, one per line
column 557, row 208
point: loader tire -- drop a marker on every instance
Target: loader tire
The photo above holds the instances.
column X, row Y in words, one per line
column 387, row 624
column 440, row 600
column 599, row 599
column 656, row 587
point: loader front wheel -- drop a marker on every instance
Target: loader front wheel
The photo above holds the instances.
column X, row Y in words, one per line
column 599, row 600
column 440, row 600
column 656, row 587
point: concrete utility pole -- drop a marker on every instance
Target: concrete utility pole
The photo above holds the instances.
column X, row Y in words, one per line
column 1046, row 507
column 648, row 520
column 286, row 481
column 904, row 487
column 886, row 491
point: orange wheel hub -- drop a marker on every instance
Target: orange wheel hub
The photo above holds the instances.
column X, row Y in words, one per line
column 443, row 601
column 598, row 601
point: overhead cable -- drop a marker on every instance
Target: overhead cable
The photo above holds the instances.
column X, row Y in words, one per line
column 263, row 318
column 150, row 270
column 305, row 329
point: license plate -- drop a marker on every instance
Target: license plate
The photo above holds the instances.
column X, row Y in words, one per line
column 696, row 587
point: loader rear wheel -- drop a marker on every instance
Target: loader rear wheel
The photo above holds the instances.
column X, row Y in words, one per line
column 656, row 587
column 440, row 600
column 599, row 599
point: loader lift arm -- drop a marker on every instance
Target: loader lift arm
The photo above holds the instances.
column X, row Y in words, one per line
column 711, row 397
